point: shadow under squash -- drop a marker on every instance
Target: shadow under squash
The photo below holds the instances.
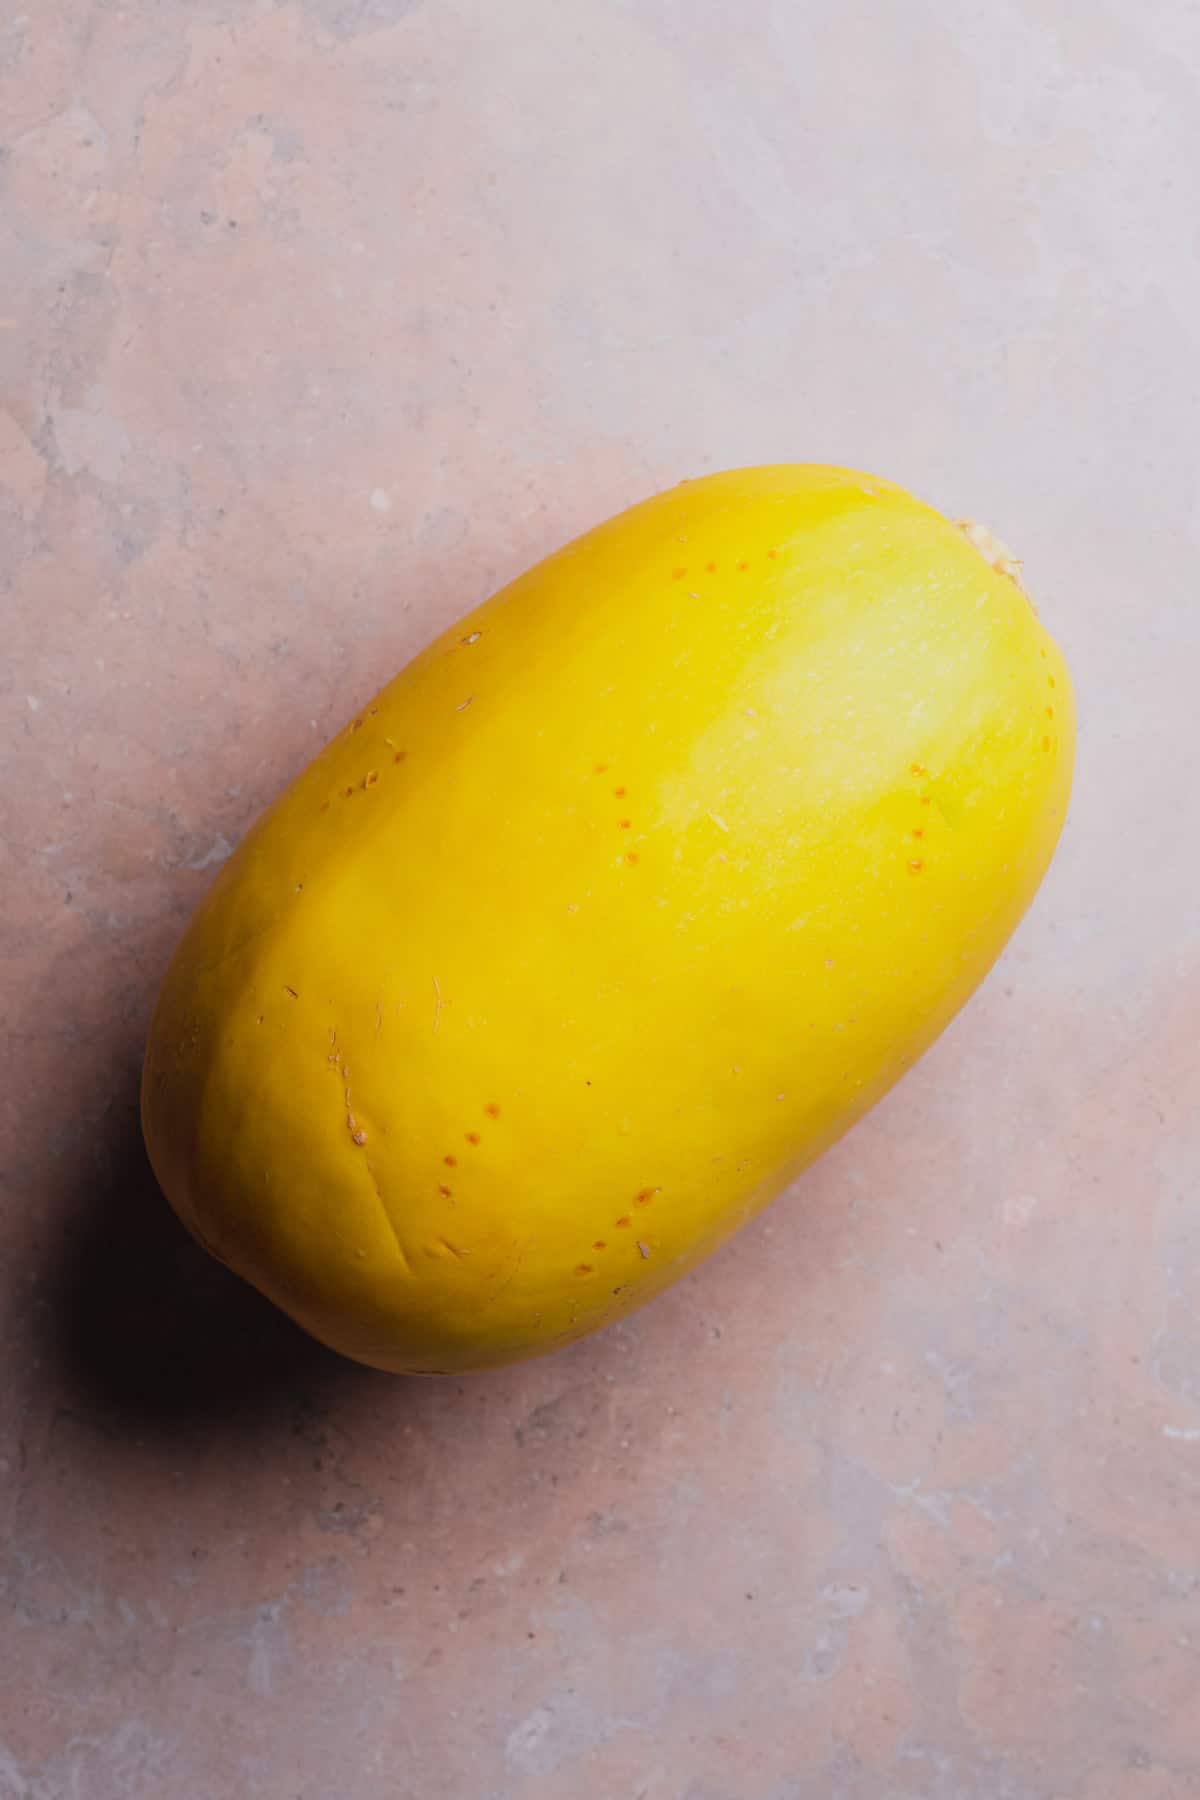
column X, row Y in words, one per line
column 151, row 1330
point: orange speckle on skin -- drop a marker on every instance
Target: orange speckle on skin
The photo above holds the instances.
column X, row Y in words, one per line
column 918, row 768
column 492, row 1110
column 472, row 1137
column 370, row 778
column 619, row 792
column 710, row 568
column 324, row 806
column 349, row 793
column 645, row 1196
column 919, row 832
column 1045, row 743
column 623, row 1221
column 772, row 554
column 925, row 800
column 400, row 756
column 916, row 866
column 584, row 1269
column 631, row 856
column 445, row 1191
column 599, row 1244
column 357, row 725
column 625, row 824
column 599, row 768
column 1049, row 712
column 742, row 567
column 451, row 1162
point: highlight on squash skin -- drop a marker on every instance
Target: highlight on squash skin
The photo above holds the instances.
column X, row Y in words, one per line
column 608, row 914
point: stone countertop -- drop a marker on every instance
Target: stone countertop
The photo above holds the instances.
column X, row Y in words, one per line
column 317, row 322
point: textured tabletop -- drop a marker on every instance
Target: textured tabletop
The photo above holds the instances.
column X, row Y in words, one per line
column 318, row 321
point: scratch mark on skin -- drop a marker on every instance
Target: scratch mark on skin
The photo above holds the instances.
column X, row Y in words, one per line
column 352, row 1125
column 437, row 990
column 644, row 1249
column 359, row 1137
column 395, row 1235
column 463, row 707
column 509, row 1278
column 379, row 1015
column 452, row 1249
column 718, row 821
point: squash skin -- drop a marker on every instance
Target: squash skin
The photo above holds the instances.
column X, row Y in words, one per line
column 613, row 909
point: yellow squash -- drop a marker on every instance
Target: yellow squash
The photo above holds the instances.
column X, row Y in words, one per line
column 608, row 914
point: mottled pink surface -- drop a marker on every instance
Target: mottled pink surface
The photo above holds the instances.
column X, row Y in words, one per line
column 318, row 321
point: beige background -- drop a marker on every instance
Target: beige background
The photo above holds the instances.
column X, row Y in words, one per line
column 317, row 322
